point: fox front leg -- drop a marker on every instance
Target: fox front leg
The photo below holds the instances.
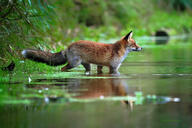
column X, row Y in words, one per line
column 114, row 69
column 99, row 69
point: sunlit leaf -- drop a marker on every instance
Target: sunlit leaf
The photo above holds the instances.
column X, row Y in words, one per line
column 29, row 1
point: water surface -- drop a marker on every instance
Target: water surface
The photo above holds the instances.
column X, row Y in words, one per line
column 154, row 90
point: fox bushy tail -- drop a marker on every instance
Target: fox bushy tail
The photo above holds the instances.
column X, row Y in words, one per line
column 52, row 59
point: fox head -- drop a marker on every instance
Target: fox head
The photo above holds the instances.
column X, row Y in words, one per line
column 130, row 43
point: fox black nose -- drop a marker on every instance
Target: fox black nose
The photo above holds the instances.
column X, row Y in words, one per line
column 139, row 49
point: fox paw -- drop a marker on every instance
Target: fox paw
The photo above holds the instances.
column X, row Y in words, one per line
column 87, row 73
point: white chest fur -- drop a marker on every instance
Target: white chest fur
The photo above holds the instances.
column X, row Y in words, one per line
column 118, row 60
column 125, row 55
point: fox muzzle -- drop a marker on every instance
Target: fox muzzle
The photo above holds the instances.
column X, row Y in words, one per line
column 137, row 49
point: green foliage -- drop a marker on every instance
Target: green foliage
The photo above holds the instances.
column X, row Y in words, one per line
column 51, row 25
column 179, row 5
column 23, row 24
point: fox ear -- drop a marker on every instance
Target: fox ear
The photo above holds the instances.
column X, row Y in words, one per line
column 128, row 36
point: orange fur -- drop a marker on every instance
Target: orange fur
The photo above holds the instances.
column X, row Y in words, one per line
column 87, row 52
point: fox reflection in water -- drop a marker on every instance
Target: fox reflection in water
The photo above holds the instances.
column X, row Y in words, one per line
column 100, row 88
column 94, row 88
column 91, row 88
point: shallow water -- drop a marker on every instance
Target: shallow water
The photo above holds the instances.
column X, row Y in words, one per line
column 154, row 90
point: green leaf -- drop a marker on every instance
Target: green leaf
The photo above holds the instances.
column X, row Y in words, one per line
column 29, row 1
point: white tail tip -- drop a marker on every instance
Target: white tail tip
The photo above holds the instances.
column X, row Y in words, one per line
column 24, row 53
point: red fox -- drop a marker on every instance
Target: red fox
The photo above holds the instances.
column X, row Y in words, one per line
column 87, row 52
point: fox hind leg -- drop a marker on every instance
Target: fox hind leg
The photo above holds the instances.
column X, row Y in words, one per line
column 72, row 62
column 87, row 67
column 65, row 68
